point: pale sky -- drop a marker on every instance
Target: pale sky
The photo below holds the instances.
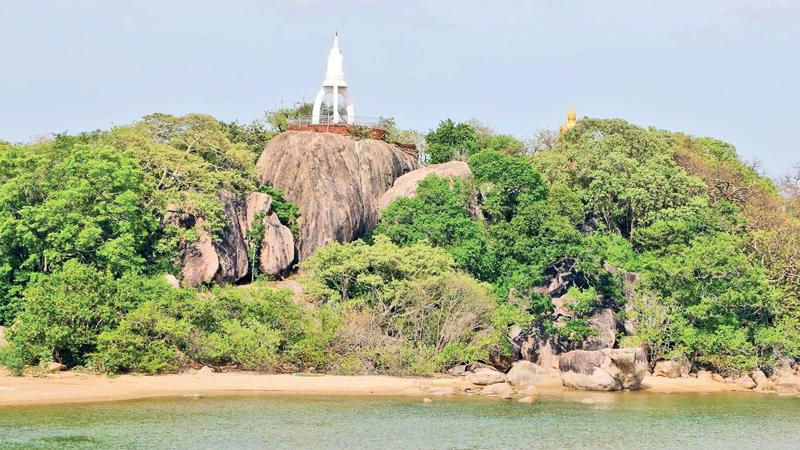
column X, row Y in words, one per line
column 723, row 68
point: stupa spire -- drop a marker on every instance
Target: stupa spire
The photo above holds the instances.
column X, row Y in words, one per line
column 335, row 85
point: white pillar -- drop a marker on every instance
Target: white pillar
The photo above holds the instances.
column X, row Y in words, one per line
column 351, row 111
column 317, row 106
column 336, row 118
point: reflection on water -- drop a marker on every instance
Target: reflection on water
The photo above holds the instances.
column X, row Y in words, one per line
column 625, row 420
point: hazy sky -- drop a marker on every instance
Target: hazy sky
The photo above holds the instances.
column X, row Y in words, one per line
column 723, row 68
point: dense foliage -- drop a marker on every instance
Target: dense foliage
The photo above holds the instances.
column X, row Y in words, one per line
column 99, row 198
column 403, row 309
column 718, row 287
column 712, row 243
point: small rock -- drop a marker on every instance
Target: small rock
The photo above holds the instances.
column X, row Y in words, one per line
column 442, row 391
column 172, row 281
column 527, row 400
column 717, row 377
column 746, row 382
column 54, row 367
column 460, row 369
column 667, row 369
column 205, row 371
column 763, row 383
column 502, row 390
column 485, row 376
column 704, row 375
column 514, row 331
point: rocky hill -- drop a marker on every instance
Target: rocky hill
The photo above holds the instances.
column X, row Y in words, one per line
column 335, row 180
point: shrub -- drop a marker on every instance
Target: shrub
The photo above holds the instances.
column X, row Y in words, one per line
column 63, row 313
column 252, row 328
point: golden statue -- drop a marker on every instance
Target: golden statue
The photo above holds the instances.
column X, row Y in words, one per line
column 571, row 120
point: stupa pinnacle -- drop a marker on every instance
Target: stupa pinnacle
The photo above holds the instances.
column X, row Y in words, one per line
column 335, row 85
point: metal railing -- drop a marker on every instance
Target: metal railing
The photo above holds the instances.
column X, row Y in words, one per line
column 361, row 121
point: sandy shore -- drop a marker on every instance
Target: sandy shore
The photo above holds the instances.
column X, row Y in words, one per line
column 73, row 387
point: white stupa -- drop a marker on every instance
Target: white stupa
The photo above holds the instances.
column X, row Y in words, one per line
column 334, row 84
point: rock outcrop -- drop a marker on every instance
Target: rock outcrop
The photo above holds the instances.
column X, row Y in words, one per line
column 543, row 347
column 336, row 182
column 406, row 185
column 223, row 256
column 277, row 243
column 607, row 325
column 603, row 370
column 230, row 241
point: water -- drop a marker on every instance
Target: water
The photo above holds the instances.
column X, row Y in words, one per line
column 626, row 420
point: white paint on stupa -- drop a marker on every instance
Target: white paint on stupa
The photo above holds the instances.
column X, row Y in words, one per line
column 334, row 85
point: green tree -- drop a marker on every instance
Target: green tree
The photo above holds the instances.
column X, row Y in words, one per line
column 60, row 202
column 716, row 300
column 451, row 141
column 439, row 216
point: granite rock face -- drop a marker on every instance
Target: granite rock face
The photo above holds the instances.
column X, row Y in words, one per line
column 607, row 325
column 603, row 370
column 230, row 242
column 223, row 256
column 200, row 261
column 335, row 180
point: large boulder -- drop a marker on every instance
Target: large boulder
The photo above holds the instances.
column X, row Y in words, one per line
column 230, row 241
column 538, row 349
column 200, row 260
column 277, row 251
column 406, row 185
column 335, row 180
column 603, row 370
column 277, row 247
column 526, row 373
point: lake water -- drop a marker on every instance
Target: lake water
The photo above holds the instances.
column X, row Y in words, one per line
column 625, row 420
